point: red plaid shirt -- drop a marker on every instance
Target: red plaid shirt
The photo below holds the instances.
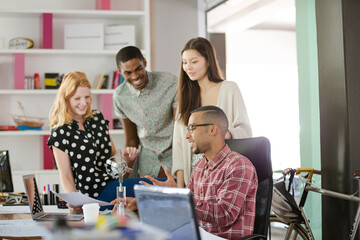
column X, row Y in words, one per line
column 224, row 191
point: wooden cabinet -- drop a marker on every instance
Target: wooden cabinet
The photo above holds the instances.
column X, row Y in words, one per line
column 26, row 148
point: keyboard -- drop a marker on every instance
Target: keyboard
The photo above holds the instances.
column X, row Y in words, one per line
column 51, row 216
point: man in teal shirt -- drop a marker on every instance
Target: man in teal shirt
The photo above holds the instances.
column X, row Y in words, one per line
column 145, row 103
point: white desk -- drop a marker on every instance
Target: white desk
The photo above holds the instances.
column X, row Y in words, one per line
column 16, row 223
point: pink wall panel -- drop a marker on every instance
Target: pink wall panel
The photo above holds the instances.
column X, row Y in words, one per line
column 47, row 154
column 19, row 70
column 103, row 5
column 105, row 105
column 47, row 41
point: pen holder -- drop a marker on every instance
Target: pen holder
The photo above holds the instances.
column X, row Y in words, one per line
column 120, row 200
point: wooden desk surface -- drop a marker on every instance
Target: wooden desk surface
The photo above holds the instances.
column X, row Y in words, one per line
column 14, row 216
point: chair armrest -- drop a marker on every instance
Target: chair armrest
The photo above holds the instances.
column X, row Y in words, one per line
column 254, row 236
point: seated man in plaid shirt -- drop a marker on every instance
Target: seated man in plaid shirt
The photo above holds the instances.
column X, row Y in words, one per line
column 223, row 182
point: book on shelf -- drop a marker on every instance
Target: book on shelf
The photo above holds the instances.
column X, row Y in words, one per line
column 105, row 81
column 119, row 79
column 100, row 80
column 111, row 80
column 116, row 79
column 53, row 80
column 108, row 80
column 29, row 82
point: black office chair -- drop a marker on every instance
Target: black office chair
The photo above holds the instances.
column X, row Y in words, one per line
column 257, row 150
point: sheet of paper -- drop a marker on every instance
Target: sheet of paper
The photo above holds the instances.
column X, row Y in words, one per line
column 22, row 228
column 79, row 199
column 208, row 236
column 14, row 209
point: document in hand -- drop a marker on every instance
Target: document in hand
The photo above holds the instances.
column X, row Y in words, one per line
column 79, row 199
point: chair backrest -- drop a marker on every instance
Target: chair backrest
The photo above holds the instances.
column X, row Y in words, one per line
column 257, row 150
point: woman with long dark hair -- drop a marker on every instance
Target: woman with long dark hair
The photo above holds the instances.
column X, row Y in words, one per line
column 200, row 84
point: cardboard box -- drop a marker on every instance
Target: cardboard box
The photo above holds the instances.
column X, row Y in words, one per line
column 84, row 36
column 119, row 36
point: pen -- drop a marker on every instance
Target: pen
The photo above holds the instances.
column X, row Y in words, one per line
column 45, row 197
column 51, row 196
column 56, row 189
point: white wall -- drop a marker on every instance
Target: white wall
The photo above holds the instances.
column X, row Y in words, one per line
column 263, row 63
column 173, row 23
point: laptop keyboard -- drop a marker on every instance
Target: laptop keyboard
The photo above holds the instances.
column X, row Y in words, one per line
column 49, row 216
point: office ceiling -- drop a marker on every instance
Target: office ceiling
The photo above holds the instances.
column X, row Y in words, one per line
column 238, row 15
column 210, row 4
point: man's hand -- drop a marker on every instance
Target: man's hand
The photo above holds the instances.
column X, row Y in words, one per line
column 130, row 154
column 170, row 181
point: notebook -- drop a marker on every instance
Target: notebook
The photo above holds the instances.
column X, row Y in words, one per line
column 36, row 209
column 168, row 208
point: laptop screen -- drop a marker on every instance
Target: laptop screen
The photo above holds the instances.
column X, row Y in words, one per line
column 170, row 209
column 33, row 195
column 6, row 183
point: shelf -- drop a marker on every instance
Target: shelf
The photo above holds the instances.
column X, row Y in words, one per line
column 46, row 132
column 38, row 51
column 59, row 51
column 116, row 132
column 71, row 13
column 24, row 172
column 47, row 91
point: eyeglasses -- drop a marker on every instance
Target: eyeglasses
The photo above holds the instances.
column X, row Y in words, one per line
column 192, row 127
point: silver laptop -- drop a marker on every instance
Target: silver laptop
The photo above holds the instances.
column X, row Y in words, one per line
column 168, row 208
column 36, row 209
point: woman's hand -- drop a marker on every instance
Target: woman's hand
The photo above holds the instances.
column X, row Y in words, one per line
column 130, row 204
column 74, row 210
column 130, row 154
column 228, row 135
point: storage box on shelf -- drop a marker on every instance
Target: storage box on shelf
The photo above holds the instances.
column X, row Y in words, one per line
column 46, row 28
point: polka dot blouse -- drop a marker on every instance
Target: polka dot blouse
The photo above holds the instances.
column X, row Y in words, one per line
column 88, row 151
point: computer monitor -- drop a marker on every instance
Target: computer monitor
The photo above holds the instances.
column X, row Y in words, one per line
column 6, row 183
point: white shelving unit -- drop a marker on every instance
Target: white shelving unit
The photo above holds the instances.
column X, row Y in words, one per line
column 58, row 52
column 47, row 91
column 46, row 132
column 26, row 147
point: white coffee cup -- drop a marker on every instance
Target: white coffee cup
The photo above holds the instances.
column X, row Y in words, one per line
column 91, row 212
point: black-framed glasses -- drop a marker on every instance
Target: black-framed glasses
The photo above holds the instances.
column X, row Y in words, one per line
column 192, row 127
